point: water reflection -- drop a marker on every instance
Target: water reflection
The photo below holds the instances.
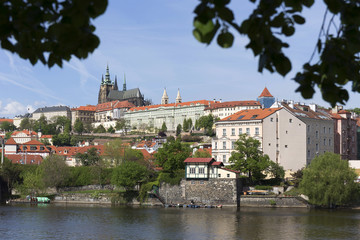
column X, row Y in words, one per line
column 105, row 222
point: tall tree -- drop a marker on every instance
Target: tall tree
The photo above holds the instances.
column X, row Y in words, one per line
column 26, row 123
column 89, row 158
column 206, row 123
column 178, row 129
column 200, row 153
column 54, row 171
column 248, row 158
column 115, row 151
column 329, row 181
column 172, row 155
column 163, row 127
column 78, row 126
column 129, row 174
column 7, row 126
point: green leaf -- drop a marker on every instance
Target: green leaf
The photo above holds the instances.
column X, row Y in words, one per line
column 298, row 19
column 282, row 64
column 204, row 28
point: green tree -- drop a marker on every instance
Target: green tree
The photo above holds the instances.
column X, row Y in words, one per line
column 63, row 124
column 26, row 123
column 115, row 151
column 129, row 174
column 329, row 181
column 7, row 126
column 111, row 130
column 89, row 158
column 275, row 170
column 178, row 129
column 121, row 126
column 62, row 139
column 10, row 173
column 248, row 158
column 337, row 47
column 206, row 123
column 164, row 127
column 172, row 155
column 79, row 126
column 100, row 129
column 54, row 171
column 185, row 125
column 202, row 154
column 88, row 128
column 50, row 31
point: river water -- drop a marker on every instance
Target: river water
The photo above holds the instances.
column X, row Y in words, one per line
column 56, row 221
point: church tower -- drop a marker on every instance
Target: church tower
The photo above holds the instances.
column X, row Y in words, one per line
column 165, row 98
column 105, row 87
column 178, row 97
column 124, row 85
column 266, row 99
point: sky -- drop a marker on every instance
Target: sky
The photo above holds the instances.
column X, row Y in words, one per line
column 151, row 43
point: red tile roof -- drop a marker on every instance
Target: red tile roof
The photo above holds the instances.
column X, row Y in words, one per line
column 6, row 120
column 201, row 102
column 30, row 159
column 113, row 105
column 27, row 132
column 46, row 136
column 217, row 164
column 233, row 104
column 198, row 160
column 265, row 93
column 10, row 141
column 33, row 142
column 89, row 108
column 251, row 114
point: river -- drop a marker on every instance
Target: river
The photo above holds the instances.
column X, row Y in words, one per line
column 55, row 221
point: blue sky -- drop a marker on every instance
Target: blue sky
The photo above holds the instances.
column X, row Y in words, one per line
column 151, row 43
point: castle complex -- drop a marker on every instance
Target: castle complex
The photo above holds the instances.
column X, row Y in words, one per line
column 109, row 91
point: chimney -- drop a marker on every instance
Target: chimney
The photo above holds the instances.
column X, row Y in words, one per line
column 291, row 104
column 313, row 107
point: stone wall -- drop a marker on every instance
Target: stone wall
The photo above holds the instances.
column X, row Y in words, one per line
column 272, row 201
column 210, row 192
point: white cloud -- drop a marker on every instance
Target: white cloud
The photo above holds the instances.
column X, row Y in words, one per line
column 13, row 108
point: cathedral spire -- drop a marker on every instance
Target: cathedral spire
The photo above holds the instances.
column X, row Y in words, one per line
column 116, row 85
column 178, row 97
column 124, row 85
column 102, row 78
column 107, row 76
column 165, row 98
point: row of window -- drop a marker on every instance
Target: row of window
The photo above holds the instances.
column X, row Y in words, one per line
column 325, row 142
column 317, row 131
column 240, row 131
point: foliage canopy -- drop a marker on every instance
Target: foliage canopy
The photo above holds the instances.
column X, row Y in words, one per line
column 329, row 181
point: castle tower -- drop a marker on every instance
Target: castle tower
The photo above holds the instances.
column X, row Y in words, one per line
column 124, row 85
column 266, row 99
column 165, row 98
column 105, row 87
column 178, row 97
column 116, row 85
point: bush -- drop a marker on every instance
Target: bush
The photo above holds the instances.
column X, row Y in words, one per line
column 261, row 187
column 190, row 138
column 172, row 179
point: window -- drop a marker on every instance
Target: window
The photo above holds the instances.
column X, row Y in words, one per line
column 308, row 128
column 248, row 131
column 317, row 134
column 192, row 170
column 228, row 175
column 224, row 132
column 271, row 119
column 329, row 142
column 233, row 145
column 317, row 147
column 201, row 170
column 308, row 153
column 256, row 131
column 324, row 141
column 286, row 146
column 286, row 132
column 329, row 130
column 215, row 157
column 215, row 145
column 240, row 131
column 224, row 145
column 324, row 129
column 290, row 120
column 308, row 140
column 219, row 175
column 233, row 132
column 224, row 158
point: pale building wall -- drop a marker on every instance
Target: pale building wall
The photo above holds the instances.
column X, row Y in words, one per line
column 50, row 116
column 172, row 116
